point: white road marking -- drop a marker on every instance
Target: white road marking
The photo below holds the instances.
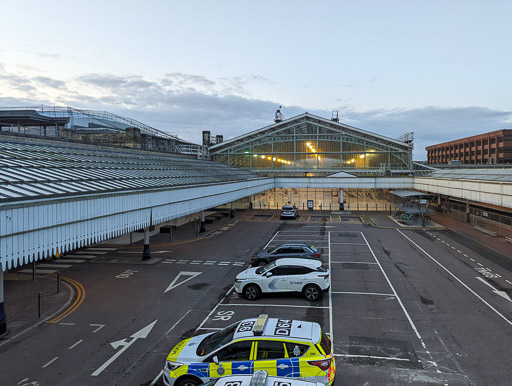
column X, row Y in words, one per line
column 348, row 244
column 174, row 283
column 396, row 294
column 265, row 247
column 45, row 265
column 141, row 334
column 49, row 363
column 472, row 259
column 481, row 265
column 269, row 305
column 465, row 255
column 215, row 308
column 67, row 324
column 453, row 247
column 38, row 271
column 100, row 326
column 76, row 344
column 156, row 378
column 79, row 256
column 175, row 324
column 460, row 281
column 98, row 252
column 459, row 251
column 373, row 357
column 351, row 262
column 508, row 282
column 503, row 294
column 361, row 293
column 67, row 261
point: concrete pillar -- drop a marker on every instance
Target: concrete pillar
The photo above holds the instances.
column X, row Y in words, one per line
column 3, row 320
column 232, row 213
column 468, row 217
column 203, row 223
column 342, row 204
column 146, row 254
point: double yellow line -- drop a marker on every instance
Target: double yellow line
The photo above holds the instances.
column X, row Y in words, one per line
column 80, row 290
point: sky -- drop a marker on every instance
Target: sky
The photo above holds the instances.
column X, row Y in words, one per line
column 441, row 69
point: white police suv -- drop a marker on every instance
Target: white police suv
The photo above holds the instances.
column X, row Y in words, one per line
column 284, row 275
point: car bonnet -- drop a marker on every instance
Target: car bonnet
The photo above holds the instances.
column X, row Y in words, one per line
column 185, row 351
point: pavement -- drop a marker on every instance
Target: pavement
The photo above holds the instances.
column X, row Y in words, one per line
column 22, row 293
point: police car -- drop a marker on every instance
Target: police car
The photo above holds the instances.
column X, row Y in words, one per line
column 260, row 378
column 282, row 347
column 284, row 275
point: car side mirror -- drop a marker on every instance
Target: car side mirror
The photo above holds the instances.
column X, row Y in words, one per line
column 268, row 274
column 216, row 359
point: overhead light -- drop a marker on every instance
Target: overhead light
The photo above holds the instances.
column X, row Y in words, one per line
column 361, row 156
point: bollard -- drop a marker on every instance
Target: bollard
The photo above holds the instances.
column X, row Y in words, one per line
column 58, row 282
column 39, row 306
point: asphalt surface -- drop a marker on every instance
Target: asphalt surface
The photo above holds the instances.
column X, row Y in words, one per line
column 418, row 307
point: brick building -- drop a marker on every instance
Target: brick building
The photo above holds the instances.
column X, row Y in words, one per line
column 489, row 148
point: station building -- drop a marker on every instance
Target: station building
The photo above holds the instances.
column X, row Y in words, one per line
column 311, row 146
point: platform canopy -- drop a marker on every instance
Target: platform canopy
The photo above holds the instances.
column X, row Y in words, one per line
column 410, row 194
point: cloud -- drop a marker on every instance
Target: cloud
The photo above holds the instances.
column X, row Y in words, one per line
column 50, row 82
column 186, row 104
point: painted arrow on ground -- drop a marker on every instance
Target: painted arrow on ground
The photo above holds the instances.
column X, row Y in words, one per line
column 503, row 294
column 175, row 282
column 141, row 334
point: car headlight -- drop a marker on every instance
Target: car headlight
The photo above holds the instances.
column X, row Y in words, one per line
column 171, row 365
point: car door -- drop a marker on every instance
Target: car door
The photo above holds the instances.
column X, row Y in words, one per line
column 234, row 359
column 271, row 357
column 297, row 278
column 275, row 280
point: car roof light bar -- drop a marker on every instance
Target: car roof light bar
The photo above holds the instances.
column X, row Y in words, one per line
column 259, row 326
column 259, row 378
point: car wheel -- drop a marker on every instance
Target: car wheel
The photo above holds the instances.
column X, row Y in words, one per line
column 251, row 292
column 311, row 292
column 188, row 382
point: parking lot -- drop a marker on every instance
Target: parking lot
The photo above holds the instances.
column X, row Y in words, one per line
column 404, row 307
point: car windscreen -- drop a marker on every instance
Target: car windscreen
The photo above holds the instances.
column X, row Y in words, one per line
column 266, row 268
column 313, row 248
column 287, row 208
column 214, row 341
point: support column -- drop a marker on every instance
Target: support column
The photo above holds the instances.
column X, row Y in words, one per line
column 232, row 213
column 342, row 204
column 3, row 320
column 468, row 217
column 146, row 254
column 203, row 223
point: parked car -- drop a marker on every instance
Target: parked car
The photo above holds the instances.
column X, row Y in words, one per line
column 288, row 211
column 299, row 250
column 259, row 378
column 284, row 275
column 294, row 349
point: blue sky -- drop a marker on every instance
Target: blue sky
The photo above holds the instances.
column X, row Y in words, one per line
column 441, row 69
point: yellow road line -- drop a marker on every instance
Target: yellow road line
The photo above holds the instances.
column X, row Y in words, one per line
column 78, row 301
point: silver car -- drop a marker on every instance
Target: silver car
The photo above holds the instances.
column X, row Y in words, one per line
column 288, row 211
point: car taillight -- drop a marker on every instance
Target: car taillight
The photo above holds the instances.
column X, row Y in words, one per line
column 316, row 254
column 324, row 364
column 325, row 276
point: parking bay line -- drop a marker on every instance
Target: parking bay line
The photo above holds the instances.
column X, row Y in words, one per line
column 268, row 305
column 361, row 293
